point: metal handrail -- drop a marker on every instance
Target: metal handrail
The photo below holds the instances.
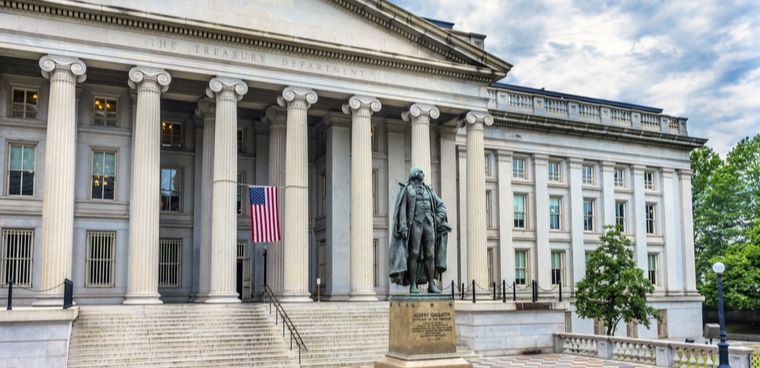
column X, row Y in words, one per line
column 279, row 310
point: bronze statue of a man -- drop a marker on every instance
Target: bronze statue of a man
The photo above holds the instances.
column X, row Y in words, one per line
column 420, row 234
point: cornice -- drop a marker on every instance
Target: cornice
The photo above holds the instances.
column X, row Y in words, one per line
column 582, row 129
column 456, row 68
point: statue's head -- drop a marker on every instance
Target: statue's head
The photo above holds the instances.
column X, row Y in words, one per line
column 416, row 173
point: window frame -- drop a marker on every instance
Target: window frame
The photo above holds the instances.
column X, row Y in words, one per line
column 96, row 114
column 560, row 270
column 168, row 264
column 589, row 218
column 24, row 104
column 591, row 175
column 93, row 151
column 557, row 176
column 523, row 169
column 110, row 262
column 624, row 216
column 619, row 180
column 490, row 223
column 525, row 270
column 558, row 214
column 651, row 222
column 649, row 184
column 27, row 258
column 653, row 259
column 24, row 146
column 179, row 201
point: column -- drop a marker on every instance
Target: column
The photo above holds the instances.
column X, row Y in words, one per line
column 462, row 241
column 60, row 160
column 208, row 111
column 506, row 216
column 640, row 217
column 362, row 278
column 671, row 258
column 543, row 252
column 397, row 173
column 576, row 220
column 690, row 280
column 477, row 255
column 296, row 227
column 608, row 193
column 227, row 92
column 449, row 197
column 276, row 116
column 420, row 115
column 142, row 284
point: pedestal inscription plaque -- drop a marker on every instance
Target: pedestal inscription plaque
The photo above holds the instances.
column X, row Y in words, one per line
column 422, row 333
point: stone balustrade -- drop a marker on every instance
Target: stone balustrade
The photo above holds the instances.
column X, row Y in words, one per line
column 567, row 108
column 660, row 353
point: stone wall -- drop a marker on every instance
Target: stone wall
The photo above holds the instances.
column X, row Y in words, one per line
column 35, row 337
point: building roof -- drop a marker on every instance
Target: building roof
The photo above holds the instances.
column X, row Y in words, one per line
column 568, row 96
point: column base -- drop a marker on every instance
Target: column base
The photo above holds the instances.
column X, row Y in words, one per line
column 222, row 299
column 142, row 299
column 363, row 297
column 48, row 300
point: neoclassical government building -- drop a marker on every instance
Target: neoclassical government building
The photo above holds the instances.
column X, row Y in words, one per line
column 128, row 130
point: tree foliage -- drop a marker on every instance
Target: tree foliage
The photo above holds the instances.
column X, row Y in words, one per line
column 614, row 289
column 726, row 204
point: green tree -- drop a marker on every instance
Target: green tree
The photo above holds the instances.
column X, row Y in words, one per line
column 614, row 289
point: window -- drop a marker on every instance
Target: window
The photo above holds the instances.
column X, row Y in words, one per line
column 493, row 265
column 16, row 257
column 519, row 204
column 518, row 168
column 169, row 263
column 488, row 164
column 650, row 219
column 653, row 269
column 554, row 171
column 588, row 174
column 620, row 177
column 171, row 135
column 241, row 140
column 554, row 213
column 240, row 180
column 521, row 267
column 103, row 174
column 25, row 103
column 21, row 170
column 375, row 191
column 558, row 267
column 620, row 219
column 106, row 111
column 649, row 180
column 100, row 259
column 375, row 261
column 588, row 215
column 170, row 190
column 489, row 209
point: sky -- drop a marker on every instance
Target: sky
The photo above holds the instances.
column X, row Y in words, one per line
column 697, row 59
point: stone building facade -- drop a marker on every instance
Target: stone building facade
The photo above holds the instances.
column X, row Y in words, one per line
column 126, row 127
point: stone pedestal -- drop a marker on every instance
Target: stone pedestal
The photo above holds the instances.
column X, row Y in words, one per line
column 422, row 333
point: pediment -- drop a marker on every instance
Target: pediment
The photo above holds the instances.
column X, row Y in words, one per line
column 363, row 28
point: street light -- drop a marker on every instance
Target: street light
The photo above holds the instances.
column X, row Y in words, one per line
column 718, row 268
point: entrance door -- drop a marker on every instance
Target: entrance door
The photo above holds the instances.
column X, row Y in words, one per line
column 243, row 279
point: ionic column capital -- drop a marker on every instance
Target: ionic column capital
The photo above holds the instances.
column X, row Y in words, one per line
column 291, row 95
column 417, row 110
column 219, row 86
column 205, row 108
column 275, row 115
column 685, row 174
column 638, row 169
column 140, row 74
column 74, row 66
column 504, row 155
column 475, row 117
column 358, row 103
column 575, row 162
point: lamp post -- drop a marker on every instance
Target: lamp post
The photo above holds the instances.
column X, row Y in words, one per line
column 722, row 345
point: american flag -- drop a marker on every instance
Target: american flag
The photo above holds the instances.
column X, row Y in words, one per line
column 265, row 218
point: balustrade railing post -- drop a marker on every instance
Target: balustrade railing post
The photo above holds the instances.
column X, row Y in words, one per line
column 473, row 291
column 452, row 290
column 514, row 291
column 503, row 291
column 10, row 293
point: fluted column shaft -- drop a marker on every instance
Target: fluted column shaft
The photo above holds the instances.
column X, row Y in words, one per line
column 277, row 142
column 142, row 282
column 206, row 108
column 60, row 160
column 690, row 279
column 227, row 93
column 477, row 255
column 362, row 277
column 296, row 234
column 420, row 115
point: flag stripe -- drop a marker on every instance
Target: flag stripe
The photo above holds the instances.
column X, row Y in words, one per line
column 265, row 218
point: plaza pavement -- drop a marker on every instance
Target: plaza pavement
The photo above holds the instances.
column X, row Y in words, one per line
column 549, row 360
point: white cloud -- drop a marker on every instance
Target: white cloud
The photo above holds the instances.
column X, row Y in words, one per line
column 698, row 59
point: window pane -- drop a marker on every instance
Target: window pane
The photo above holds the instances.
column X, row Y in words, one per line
column 109, row 183
column 31, row 97
column 111, row 105
column 28, row 160
column 18, row 95
column 97, row 163
column 14, row 183
column 27, row 183
column 17, row 157
column 109, row 163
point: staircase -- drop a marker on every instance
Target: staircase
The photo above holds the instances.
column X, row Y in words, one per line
column 341, row 334
column 178, row 335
